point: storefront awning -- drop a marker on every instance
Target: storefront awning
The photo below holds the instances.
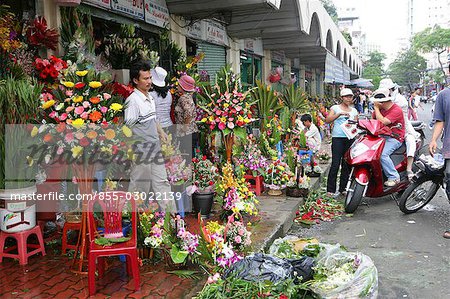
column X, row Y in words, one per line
column 361, row 82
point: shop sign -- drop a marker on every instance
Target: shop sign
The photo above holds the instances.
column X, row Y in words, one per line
column 278, row 56
column 254, row 46
column 134, row 8
column 195, row 30
column 156, row 13
column 99, row 3
column 216, row 33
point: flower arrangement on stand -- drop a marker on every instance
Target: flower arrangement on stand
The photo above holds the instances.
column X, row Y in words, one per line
column 251, row 158
column 234, row 193
column 226, row 110
column 204, row 175
column 178, row 172
column 277, row 176
column 323, row 157
column 313, row 170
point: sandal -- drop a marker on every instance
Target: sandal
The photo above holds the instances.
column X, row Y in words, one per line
column 447, row 235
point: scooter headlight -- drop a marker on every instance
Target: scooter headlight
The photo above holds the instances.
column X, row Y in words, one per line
column 358, row 149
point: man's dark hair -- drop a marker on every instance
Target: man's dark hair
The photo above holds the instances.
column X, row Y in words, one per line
column 136, row 68
column 306, row 117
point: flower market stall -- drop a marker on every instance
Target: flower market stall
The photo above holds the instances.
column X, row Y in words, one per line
column 71, row 109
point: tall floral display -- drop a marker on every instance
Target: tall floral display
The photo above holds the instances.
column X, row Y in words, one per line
column 226, row 110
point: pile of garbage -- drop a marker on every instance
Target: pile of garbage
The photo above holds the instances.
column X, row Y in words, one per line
column 296, row 267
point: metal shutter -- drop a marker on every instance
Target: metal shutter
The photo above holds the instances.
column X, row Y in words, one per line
column 215, row 59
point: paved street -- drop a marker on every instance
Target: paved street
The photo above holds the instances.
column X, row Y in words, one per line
column 412, row 257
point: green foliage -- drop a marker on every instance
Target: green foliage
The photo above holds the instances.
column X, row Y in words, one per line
column 285, row 118
column 76, row 32
column 234, row 288
column 406, row 68
column 19, row 103
column 125, row 48
column 347, row 37
column 331, row 9
column 267, row 102
column 373, row 68
column 186, row 274
column 296, row 99
column 435, row 39
column 227, row 80
column 302, row 140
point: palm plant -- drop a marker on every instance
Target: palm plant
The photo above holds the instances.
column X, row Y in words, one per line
column 267, row 101
column 19, row 102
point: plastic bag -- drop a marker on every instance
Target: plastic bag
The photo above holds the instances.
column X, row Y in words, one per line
column 341, row 282
column 261, row 267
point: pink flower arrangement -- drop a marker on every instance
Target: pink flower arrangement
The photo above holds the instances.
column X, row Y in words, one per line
column 230, row 110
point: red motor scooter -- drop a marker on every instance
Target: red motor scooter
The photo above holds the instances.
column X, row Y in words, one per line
column 366, row 176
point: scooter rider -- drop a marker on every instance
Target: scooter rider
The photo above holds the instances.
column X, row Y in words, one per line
column 389, row 114
column 411, row 134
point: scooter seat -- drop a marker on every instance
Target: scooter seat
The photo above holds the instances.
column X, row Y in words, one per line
column 417, row 124
column 401, row 150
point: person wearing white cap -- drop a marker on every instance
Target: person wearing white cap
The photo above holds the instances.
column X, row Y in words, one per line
column 389, row 114
column 338, row 115
column 411, row 134
column 162, row 98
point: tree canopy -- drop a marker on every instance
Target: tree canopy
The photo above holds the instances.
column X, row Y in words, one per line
column 348, row 37
column 407, row 67
column 434, row 39
column 373, row 67
column 331, row 9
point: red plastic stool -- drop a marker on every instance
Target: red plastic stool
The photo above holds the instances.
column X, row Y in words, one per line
column 69, row 226
column 256, row 183
column 22, row 245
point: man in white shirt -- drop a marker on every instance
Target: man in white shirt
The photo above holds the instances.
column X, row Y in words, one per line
column 312, row 133
column 148, row 175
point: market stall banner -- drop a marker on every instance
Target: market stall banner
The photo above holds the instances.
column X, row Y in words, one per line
column 133, row 8
column 209, row 31
column 156, row 13
column 335, row 71
column 216, row 33
column 99, row 3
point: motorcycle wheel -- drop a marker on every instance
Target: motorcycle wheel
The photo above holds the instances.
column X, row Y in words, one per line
column 418, row 195
column 354, row 196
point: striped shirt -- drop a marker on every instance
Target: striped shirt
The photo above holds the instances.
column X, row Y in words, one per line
column 139, row 108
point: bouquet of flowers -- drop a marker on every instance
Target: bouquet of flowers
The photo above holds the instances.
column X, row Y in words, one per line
column 49, row 70
column 214, row 249
column 235, row 194
column 315, row 168
column 39, row 35
column 204, row 173
column 177, row 170
column 237, row 234
column 83, row 119
column 323, row 156
column 278, row 175
column 252, row 159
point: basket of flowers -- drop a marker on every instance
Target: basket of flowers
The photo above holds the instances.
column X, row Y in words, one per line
column 277, row 176
column 323, row 157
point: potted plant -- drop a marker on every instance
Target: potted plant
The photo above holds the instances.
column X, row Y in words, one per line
column 124, row 49
column 19, row 102
column 203, row 176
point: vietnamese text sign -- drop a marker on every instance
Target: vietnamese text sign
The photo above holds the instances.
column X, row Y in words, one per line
column 133, row 8
column 156, row 13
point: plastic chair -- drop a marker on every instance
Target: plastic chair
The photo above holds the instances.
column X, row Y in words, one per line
column 112, row 204
column 69, row 226
column 22, row 246
column 256, row 183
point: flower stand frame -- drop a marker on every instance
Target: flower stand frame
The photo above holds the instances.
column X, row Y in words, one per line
column 256, row 183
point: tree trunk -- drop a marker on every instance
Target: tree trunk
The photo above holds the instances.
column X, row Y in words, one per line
column 442, row 67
